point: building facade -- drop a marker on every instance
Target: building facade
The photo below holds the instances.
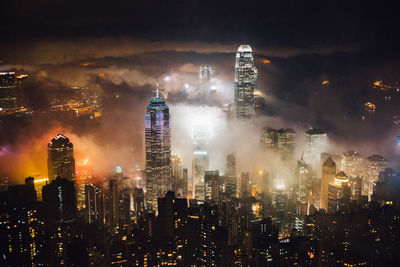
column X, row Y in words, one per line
column 316, row 142
column 211, row 186
column 60, row 161
column 158, row 150
column 328, row 177
column 245, row 83
column 282, row 141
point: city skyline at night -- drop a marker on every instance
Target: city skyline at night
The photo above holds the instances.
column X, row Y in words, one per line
column 199, row 133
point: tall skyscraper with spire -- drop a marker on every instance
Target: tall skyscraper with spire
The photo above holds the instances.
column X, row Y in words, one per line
column 158, row 150
column 245, row 82
column 60, row 161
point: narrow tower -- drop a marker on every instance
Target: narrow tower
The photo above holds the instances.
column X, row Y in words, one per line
column 245, row 83
column 158, row 150
column 328, row 176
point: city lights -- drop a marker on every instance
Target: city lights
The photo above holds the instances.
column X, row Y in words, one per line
column 139, row 133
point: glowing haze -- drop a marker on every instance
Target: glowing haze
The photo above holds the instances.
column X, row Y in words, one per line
column 124, row 71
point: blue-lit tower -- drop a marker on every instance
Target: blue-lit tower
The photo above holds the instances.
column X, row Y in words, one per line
column 158, row 150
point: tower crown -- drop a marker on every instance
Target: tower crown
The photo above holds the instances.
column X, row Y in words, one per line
column 157, row 99
column 245, row 48
column 329, row 162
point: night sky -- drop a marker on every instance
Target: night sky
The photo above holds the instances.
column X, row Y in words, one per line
column 365, row 24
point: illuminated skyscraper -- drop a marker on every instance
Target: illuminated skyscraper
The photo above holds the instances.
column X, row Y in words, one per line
column 201, row 136
column 230, row 176
column 286, row 143
column 8, row 100
column 230, row 165
column 94, row 203
column 112, row 203
column 231, row 186
column 339, row 193
column 200, row 165
column 283, row 141
column 316, row 141
column 352, row 163
column 39, row 183
column 268, row 138
column 60, row 161
column 205, row 73
column 374, row 165
column 211, row 186
column 176, row 174
column 158, row 150
column 244, row 184
column 328, row 176
column 245, row 82
column 185, row 183
column 138, row 202
column 336, row 158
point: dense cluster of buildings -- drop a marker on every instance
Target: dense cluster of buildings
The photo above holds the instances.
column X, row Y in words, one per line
column 12, row 101
column 75, row 101
column 344, row 212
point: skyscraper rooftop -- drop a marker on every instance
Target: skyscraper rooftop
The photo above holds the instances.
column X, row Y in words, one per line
column 329, row 162
column 244, row 48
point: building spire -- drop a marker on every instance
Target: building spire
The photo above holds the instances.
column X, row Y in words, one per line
column 157, row 90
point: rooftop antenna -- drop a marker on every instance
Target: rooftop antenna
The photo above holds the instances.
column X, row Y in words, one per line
column 157, row 90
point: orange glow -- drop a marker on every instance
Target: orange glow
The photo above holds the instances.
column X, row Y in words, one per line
column 256, row 209
column 87, row 64
column 310, row 254
column 43, row 180
column 378, row 83
column 370, row 107
column 266, row 61
column 326, row 82
column 101, row 74
column 253, row 191
column 29, row 157
column 83, row 162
